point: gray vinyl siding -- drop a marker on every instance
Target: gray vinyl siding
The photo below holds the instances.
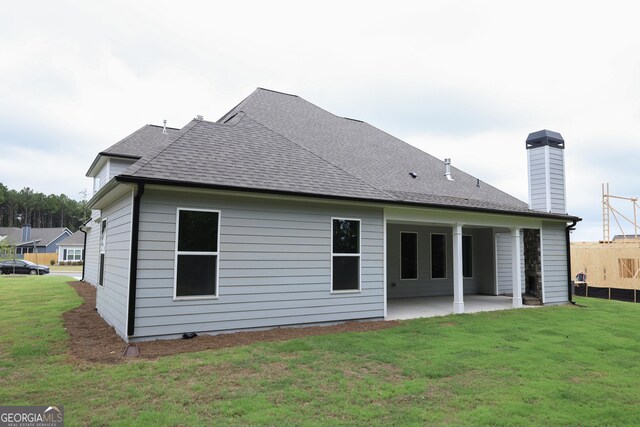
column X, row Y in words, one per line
column 547, row 195
column 53, row 246
column 275, row 265
column 554, row 262
column 504, row 275
column 111, row 299
column 118, row 166
column 556, row 180
column 537, row 177
column 91, row 256
column 481, row 282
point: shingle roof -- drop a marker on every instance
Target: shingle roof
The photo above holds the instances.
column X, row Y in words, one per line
column 364, row 151
column 246, row 154
column 13, row 234
column 143, row 144
column 43, row 236
column 273, row 141
column 76, row 239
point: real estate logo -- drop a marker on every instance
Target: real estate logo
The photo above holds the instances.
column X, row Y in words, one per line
column 31, row 416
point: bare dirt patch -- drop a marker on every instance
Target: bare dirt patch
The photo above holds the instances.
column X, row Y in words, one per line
column 92, row 340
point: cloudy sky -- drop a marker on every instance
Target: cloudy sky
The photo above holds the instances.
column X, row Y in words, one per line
column 462, row 79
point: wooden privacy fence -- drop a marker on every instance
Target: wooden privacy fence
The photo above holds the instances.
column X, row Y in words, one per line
column 42, row 259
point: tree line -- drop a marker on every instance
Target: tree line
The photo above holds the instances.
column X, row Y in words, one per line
column 26, row 207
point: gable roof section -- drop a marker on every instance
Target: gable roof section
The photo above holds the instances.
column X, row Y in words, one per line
column 76, row 239
column 245, row 154
column 276, row 142
column 366, row 152
column 42, row 236
column 141, row 144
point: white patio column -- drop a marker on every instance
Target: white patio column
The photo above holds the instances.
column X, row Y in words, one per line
column 516, row 271
column 458, row 290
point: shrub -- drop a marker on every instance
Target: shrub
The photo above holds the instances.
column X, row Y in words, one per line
column 52, row 262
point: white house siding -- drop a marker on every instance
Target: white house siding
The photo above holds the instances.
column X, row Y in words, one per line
column 504, row 277
column 118, row 166
column 111, row 299
column 482, row 250
column 63, row 248
column 91, row 256
column 554, row 262
column 275, row 265
column 102, row 177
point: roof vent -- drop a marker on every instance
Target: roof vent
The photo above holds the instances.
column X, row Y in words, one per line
column 413, row 175
column 199, row 117
column 447, row 169
column 164, row 126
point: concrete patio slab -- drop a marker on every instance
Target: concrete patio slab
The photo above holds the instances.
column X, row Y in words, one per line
column 413, row 308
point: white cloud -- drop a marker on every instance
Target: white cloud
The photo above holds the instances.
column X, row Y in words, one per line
column 461, row 79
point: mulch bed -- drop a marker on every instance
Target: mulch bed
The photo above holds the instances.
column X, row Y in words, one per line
column 92, row 340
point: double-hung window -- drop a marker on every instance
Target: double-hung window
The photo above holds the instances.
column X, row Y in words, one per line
column 345, row 255
column 197, row 253
column 408, row 255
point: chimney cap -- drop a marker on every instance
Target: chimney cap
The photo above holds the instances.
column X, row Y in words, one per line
column 545, row 137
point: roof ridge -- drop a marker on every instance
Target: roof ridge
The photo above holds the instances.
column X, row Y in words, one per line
column 277, row 91
column 237, row 106
column 163, row 127
column 319, row 156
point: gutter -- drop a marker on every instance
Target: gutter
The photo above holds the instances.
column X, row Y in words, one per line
column 159, row 181
column 133, row 268
column 84, row 252
column 568, row 243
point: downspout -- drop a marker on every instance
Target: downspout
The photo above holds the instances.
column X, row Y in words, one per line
column 569, row 287
column 133, row 268
column 84, row 252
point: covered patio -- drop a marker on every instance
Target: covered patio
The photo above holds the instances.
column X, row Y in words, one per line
column 459, row 262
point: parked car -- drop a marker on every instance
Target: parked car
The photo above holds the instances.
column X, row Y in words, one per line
column 20, row 266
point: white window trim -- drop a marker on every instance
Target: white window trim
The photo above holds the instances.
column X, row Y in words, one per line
column 472, row 263
column 446, row 258
column 359, row 255
column 177, row 253
column 417, row 256
column 75, row 251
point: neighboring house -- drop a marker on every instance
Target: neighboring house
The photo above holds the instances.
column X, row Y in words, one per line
column 71, row 249
column 281, row 213
column 29, row 240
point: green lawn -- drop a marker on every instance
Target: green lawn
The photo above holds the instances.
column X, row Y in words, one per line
column 549, row 366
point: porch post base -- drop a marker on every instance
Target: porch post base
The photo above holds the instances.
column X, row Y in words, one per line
column 458, row 307
column 517, row 301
